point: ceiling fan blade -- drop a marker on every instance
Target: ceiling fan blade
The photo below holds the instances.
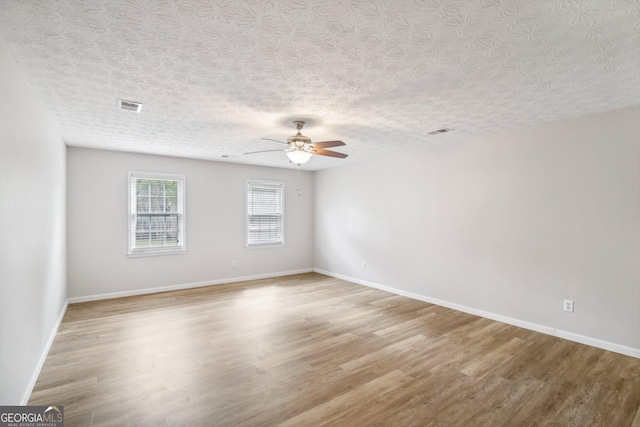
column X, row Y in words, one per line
column 321, row 152
column 263, row 151
column 327, row 144
column 273, row 140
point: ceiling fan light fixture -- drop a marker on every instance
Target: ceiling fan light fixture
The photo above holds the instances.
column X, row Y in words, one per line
column 299, row 157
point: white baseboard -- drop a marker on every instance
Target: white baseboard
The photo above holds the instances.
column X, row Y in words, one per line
column 184, row 286
column 43, row 356
column 582, row 339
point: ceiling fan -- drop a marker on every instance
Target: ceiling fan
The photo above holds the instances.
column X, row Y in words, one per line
column 300, row 148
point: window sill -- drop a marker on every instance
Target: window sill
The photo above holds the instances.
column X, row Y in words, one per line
column 138, row 254
column 270, row 245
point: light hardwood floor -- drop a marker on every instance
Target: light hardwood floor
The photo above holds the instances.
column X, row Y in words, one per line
column 309, row 350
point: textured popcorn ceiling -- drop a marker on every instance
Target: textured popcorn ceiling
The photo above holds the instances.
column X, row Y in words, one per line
column 215, row 75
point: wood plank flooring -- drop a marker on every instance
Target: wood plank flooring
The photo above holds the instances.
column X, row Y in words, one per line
column 309, row 350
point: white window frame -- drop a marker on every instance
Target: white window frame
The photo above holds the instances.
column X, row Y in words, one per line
column 181, row 248
column 274, row 243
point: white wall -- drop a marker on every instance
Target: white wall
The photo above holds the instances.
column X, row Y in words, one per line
column 215, row 215
column 32, row 231
column 508, row 225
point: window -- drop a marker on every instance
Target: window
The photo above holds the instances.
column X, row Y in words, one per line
column 156, row 214
column 265, row 213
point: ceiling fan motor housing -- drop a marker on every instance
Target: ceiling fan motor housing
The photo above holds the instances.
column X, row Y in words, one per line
column 299, row 140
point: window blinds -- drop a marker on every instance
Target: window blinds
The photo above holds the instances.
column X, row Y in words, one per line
column 157, row 213
column 265, row 213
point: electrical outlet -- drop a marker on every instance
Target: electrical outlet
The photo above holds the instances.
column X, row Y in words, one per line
column 364, row 265
column 568, row 305
column 234, row 263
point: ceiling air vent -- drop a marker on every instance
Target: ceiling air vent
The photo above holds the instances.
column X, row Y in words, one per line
column 131, row 106
column 439, row 131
